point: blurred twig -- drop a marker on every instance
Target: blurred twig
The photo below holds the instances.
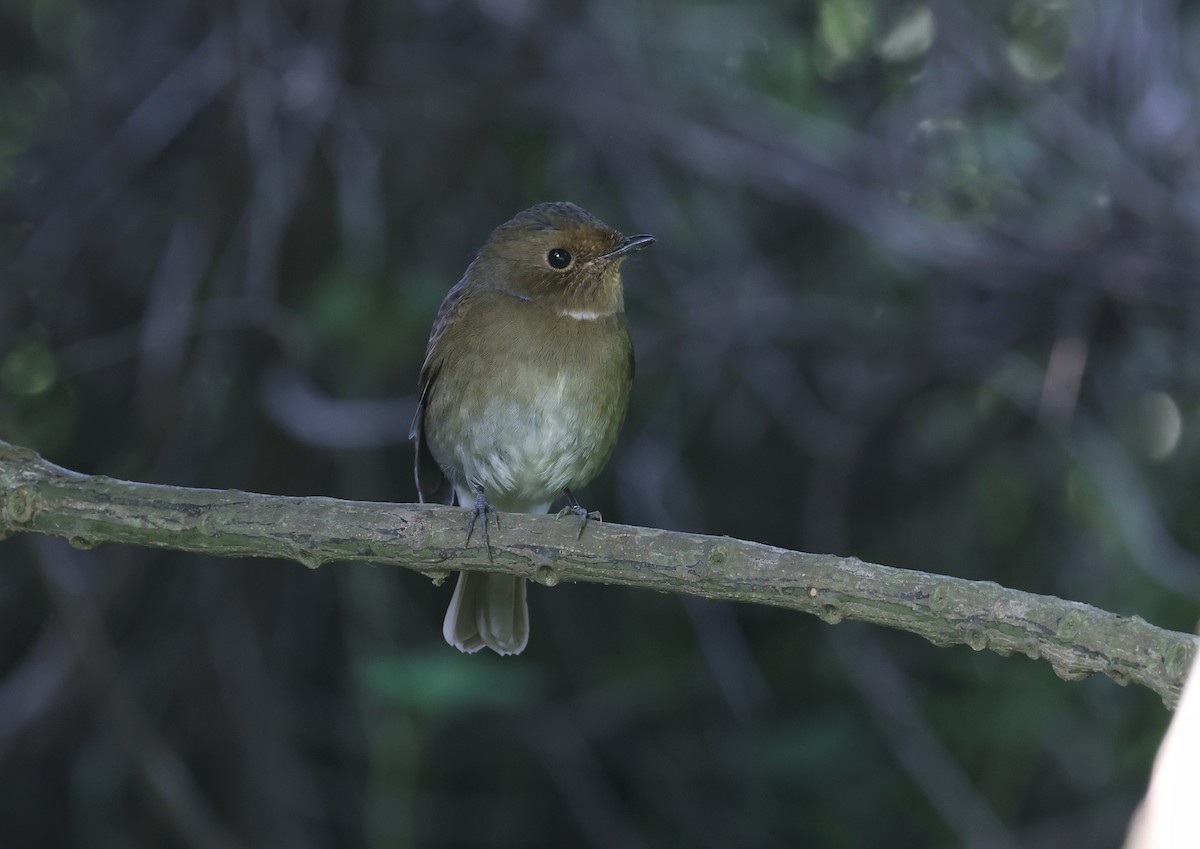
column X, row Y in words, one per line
column 1078, row 640
column 169, row 780
column 948, row 787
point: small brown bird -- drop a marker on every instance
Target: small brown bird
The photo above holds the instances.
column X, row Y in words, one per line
column 524, row 388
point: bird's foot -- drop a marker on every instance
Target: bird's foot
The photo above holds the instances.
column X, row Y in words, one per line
column 573, row 507
column 481, row 510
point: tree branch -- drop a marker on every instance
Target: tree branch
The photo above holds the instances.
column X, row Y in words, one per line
column 1078, row 640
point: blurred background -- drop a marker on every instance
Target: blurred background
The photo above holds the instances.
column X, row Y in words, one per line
column 925, row 292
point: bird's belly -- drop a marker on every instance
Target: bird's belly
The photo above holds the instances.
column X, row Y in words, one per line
column 524, row 451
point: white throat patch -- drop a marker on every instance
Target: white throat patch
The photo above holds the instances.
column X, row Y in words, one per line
column 584, row 315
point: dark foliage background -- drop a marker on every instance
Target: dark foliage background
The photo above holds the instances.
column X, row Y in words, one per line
column 925, row 292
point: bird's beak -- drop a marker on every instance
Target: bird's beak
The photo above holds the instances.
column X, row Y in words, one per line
column 628, row 246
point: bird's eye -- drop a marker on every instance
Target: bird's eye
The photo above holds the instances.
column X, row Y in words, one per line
column 558, row 258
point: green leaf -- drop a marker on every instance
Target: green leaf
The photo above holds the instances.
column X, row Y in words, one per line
column 443, row 681
column 29, row 369
column 845, row 27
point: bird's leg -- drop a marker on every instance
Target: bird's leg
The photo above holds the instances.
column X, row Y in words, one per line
column 482, row 508
column 574, row 507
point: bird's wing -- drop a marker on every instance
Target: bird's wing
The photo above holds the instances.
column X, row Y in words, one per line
column 433, row 487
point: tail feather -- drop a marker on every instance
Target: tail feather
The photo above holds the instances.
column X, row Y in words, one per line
column 487, row 610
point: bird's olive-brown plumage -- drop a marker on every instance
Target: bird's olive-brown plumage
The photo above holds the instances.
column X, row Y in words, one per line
column 524, row 389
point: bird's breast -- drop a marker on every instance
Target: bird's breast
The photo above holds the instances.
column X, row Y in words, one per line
column 533, row 410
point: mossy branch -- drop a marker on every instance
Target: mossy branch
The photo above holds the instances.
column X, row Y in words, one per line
column 1078, row 640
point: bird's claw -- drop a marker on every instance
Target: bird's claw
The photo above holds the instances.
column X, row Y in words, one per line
column 481, row 510
column 583, row 513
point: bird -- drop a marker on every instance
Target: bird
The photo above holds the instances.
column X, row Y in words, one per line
column 522, row 393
